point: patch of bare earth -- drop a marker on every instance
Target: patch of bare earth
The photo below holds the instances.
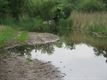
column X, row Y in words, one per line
column 19, row 68
column 34, row 38
column 41, row 38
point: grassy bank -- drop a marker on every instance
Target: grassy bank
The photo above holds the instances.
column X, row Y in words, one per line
column 94, row 22
column 8, row 34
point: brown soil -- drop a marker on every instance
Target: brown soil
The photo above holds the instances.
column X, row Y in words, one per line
column 13, row 67
column 41, row 38
column 19, row 68
column 34, row 38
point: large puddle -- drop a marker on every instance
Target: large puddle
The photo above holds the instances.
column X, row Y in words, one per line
column 80, row 63
column 78, row 56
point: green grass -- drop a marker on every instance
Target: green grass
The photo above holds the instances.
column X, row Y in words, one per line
column 22, row 36
column 7, row 34
column 98, row 28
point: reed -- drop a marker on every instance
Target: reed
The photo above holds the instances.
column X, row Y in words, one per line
column 96, row 22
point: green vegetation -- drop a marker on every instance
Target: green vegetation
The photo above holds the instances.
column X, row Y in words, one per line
column 93, row 22
column 9, row 34
column 21, row 37
column 91, row 5
column 30, row 24
column 34, row 15
column 29, row 15
column 6, row 34
column 47, row 9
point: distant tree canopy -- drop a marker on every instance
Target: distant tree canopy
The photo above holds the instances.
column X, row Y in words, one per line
column 13, row 8
column 3, row 7
column 16, row 7
column 91, row 5
column 47, row 8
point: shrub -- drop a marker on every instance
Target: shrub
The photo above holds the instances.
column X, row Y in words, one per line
column 63, row 26
column 90, row 5
column 8, row 21
column 43, row 8
column 30, row 24
column 4, row 8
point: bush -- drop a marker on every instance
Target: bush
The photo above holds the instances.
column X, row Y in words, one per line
column 63, row 26
column 4, row 9
column 90, row 5
column 13, row 8
column 105, row 2
column 8, row 21
column 43, row 8
column 30, row 24
column 47, row 9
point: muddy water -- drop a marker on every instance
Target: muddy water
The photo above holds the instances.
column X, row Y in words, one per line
column 78, row 56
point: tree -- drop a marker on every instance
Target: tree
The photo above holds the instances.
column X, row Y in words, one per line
column 17, row 7
column 4, row 8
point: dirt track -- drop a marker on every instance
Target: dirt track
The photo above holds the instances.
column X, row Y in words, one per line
column 19, row 68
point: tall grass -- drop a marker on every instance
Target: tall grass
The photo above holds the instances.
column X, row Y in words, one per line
column 96, row 22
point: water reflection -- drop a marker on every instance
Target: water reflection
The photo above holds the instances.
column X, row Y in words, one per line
column 80, row 56
column 45, row 48
column 69, row 40
column 77, row 64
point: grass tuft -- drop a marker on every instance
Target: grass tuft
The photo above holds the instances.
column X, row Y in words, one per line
column 7, row 34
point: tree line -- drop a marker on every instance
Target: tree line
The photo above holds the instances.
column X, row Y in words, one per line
column 48, row 8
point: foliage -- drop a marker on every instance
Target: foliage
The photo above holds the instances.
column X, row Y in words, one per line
column 46, row 8
column 8, row 21
column 64, row 26
column 30, row 15
column 98, row 28
column 43, row 8
column 3, row 8
column 17, row 7
column 30, row 24
column 22, row 36
column 93, row 22
column 6, row 33
column 90, row 5
column 13, row 8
